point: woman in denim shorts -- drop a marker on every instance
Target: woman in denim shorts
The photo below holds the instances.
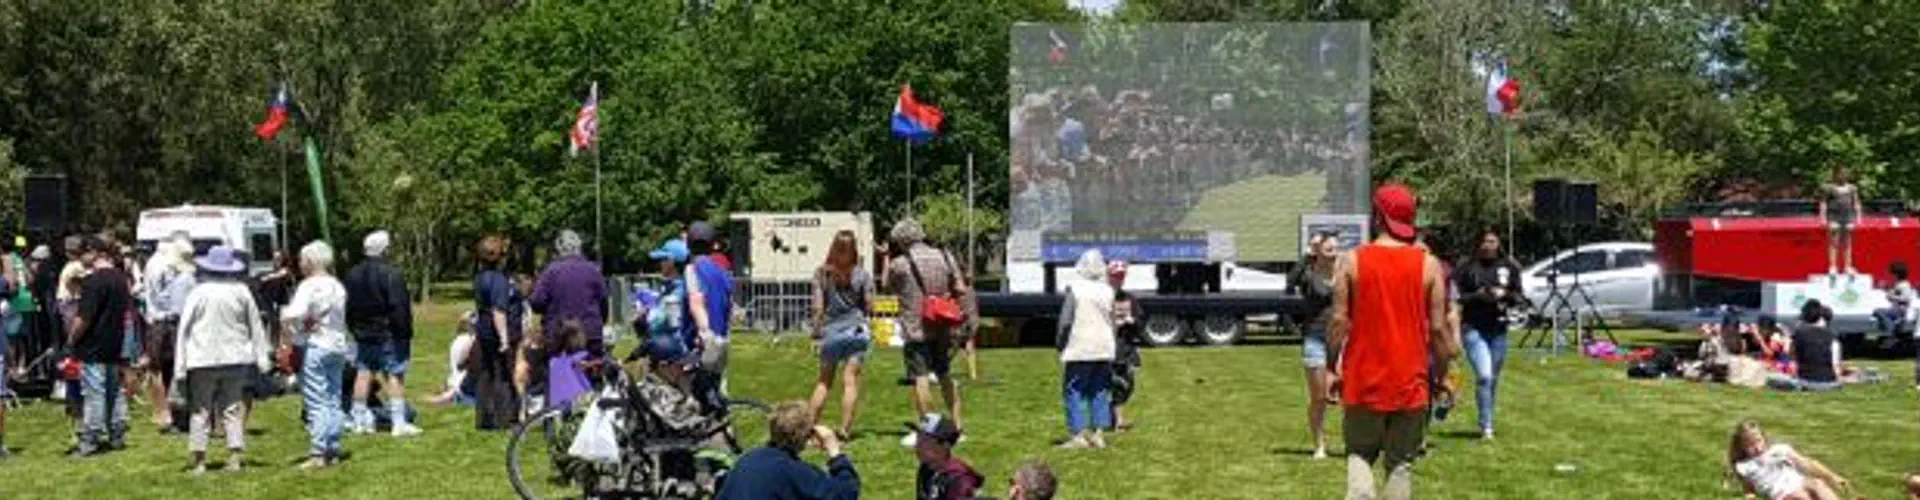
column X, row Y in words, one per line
column 842, row 304
column 1313, row 280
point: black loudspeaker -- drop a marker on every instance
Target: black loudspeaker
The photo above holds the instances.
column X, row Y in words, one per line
column 46, row 203
column 1548, row 203
column 1582, row 203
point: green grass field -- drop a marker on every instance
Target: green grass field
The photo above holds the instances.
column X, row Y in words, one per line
column 1214, row 423
column 1262, row 212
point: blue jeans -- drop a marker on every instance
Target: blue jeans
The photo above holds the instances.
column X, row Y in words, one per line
column 1086, row 386
column 103, row 410
column 320, row 385
column 1487, row 352
column 1889, row 319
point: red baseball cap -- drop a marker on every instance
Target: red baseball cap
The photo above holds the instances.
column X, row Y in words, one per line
column 1397, row 207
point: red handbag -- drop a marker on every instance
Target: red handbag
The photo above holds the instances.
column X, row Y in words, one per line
column 940, row 311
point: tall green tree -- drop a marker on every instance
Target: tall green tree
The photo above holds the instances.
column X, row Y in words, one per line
column 1834, row 85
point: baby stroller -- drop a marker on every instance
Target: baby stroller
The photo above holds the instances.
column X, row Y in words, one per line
column 653, row 462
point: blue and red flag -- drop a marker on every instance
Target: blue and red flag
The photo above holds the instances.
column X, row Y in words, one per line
column 915, row 121
column 276, row 114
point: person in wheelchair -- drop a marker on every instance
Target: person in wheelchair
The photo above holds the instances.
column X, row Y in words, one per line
column 691, row 441
column 668, row 390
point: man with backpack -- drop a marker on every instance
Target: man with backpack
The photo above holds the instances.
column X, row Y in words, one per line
column 930, row 288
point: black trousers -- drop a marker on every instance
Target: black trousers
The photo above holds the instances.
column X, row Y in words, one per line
column 498, row 408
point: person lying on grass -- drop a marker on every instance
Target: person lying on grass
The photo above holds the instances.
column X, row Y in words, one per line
column 1777, row 472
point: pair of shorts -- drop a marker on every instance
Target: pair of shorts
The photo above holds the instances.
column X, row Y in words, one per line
column 161, row 336
column 130, row 346
column 849, row 347
column 388, row 356
column 929, row 358
column 1313, row 350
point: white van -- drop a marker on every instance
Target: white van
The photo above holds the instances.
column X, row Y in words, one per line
column 252, row 230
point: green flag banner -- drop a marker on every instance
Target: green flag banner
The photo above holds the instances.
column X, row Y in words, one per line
column 319, row 186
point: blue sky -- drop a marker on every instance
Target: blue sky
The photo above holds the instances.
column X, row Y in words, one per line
column 1095, row 6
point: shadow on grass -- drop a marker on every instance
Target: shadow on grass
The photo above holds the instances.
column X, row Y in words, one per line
column 1305, row 452
column 1458, row 435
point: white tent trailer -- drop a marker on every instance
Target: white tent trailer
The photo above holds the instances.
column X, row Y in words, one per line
column 253, row 230
column 776, row 254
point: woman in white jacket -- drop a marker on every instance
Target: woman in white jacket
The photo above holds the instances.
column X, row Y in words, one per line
column 222, row 342
column 1086, row 340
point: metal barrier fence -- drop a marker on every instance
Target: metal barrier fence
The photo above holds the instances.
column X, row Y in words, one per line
column 777, row 307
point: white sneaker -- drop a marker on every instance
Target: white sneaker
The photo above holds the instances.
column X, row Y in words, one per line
column 404, row 430
column 910, row 440
column 1486, row 434
column 354, row 428
column 1320, row 454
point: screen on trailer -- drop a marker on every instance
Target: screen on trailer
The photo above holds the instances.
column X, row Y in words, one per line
column 1147, row 132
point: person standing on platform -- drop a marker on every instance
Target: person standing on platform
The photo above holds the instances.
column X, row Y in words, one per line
column 380, row 313
column 1840, row 208
column 570, row 288
column 1489, row 283
column 1389, row 326
column 317, row 318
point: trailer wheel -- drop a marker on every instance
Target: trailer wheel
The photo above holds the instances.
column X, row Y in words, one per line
column 1164, row 330
column 1222, row 329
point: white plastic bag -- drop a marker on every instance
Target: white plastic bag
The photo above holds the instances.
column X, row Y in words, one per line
column 597, row 441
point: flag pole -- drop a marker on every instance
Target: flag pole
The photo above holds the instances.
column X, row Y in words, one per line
column 1506, row 145
column 599, row 247
column 970, row 261
column 286, row 163
column 910, row 204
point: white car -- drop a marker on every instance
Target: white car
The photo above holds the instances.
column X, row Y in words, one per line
column 1619, row 276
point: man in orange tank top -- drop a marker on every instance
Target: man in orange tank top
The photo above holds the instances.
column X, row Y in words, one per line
column 1389, row 318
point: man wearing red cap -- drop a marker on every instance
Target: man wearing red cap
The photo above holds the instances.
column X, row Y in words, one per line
column 1389, row 317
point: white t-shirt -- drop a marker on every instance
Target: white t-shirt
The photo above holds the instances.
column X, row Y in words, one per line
column 457, row 352
column 320, row 297
column 1773, row 474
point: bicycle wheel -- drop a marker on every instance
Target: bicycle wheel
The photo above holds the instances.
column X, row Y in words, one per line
column 537, row 460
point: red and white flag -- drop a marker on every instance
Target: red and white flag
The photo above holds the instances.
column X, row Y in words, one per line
column 1503, row 93
column 586, row 125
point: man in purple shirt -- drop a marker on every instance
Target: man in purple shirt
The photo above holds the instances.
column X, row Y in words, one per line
column 572, row 287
